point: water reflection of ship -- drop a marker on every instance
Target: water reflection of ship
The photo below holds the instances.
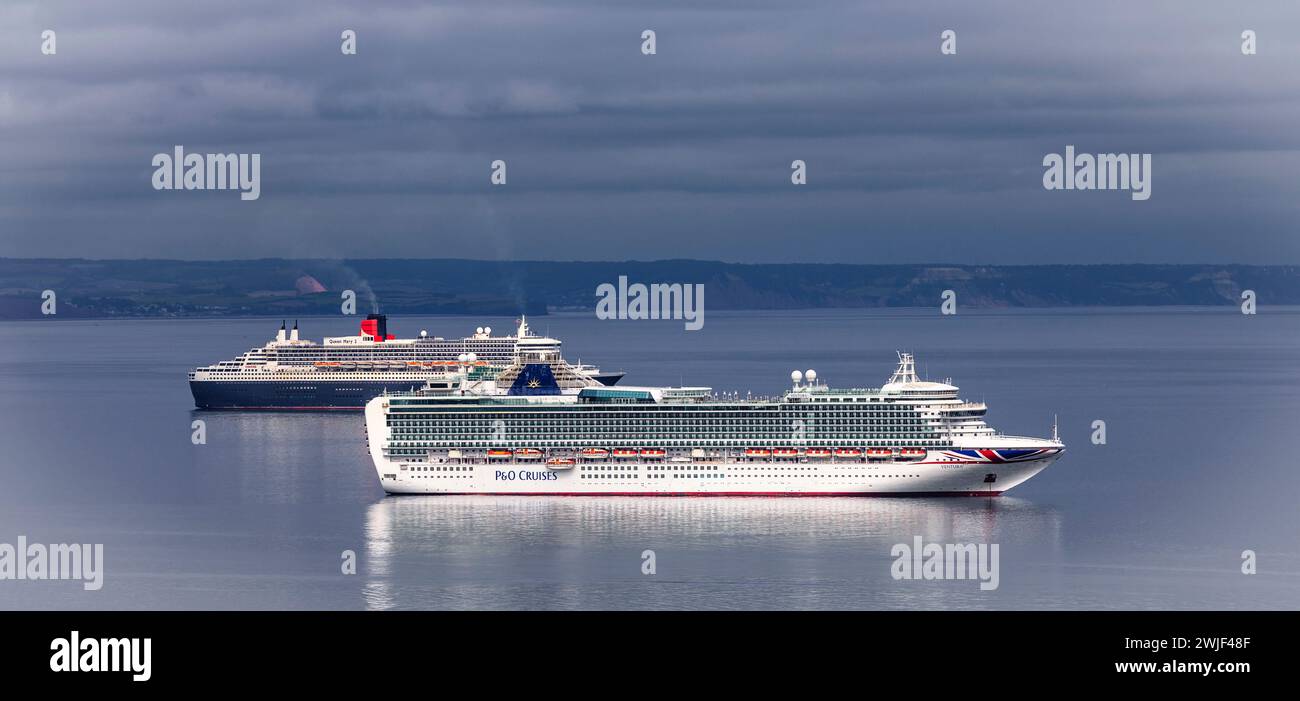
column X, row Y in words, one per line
column 281, row 458
column 454, row 546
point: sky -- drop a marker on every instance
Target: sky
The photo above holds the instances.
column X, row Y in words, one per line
column 912, row 156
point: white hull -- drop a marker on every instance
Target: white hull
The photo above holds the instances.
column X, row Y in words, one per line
column 705, row 478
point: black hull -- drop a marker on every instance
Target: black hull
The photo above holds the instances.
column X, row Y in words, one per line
column 314, row 395
column 609, row 379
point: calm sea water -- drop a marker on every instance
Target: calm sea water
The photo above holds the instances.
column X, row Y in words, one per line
column 1201, row 408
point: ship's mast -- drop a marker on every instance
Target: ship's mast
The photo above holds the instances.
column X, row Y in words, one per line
column 906, row 371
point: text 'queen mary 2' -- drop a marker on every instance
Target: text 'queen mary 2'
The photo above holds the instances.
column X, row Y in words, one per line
column 909, row 437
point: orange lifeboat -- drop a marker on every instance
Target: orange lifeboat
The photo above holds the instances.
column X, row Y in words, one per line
column 847, row 452
column 912, row 452
column 528, row 453
column 499, row 453
column 879, row 452
column 757, row 452
column 817, row 453
column 625, row 453
column 784, row 452
column 594, row 452
column 652, row 452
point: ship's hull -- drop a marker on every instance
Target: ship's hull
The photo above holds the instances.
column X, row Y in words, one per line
column 609, row 379
column 309, row 394
column 291, row 395
column 709, row 478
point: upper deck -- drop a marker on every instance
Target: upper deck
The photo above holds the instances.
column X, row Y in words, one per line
column 375, row 345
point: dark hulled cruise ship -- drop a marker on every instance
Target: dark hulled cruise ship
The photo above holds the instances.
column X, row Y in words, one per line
column 345, row 372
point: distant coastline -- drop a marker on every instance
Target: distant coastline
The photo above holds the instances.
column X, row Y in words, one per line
column 98, row 289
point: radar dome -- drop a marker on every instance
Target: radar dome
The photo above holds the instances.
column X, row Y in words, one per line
column 811, row 375
column 796, row 376
column 487, row 330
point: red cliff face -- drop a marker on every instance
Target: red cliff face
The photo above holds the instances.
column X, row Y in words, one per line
column 307, row 285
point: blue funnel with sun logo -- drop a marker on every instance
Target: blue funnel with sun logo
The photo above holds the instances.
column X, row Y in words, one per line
column 535, row 379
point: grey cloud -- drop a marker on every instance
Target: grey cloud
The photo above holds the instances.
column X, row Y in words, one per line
column 913, row 156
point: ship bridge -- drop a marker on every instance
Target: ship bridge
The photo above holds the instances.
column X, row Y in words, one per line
column 904, row 382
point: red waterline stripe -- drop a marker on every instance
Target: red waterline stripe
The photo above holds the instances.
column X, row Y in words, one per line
column 282, row 408
column 712, row 494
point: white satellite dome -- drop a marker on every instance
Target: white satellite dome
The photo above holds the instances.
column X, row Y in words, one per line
column 479, row 330
column 796, row 377
column 424, row 334
column 811, row 375
column 487, row 330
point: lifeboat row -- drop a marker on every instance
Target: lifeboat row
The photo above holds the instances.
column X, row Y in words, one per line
column 396, row 364
column 629, row 453
column 596, row 453
column 443, row 363
column 826, row 452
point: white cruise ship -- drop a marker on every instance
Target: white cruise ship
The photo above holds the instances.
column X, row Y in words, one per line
column 524, row 434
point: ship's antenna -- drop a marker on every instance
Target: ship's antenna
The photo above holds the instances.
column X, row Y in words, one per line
column 1055, row 435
